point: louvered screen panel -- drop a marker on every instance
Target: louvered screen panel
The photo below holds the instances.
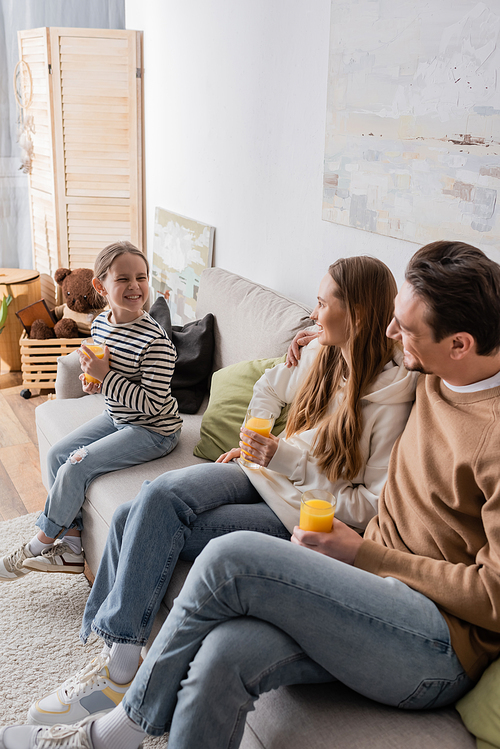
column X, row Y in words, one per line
column 91, row 227
column 86, row 181
column 98, row 117
column 44, row 232
column 33, row 50
column 34, row 53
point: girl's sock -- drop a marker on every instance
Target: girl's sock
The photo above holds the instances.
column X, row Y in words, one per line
column 124, row 661
column 116, row 731
column 36, row 546
column 74, row 542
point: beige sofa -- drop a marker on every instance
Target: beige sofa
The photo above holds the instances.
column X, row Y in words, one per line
column 251, row 322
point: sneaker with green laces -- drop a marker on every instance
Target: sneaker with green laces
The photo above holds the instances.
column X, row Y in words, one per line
column 11, row 566
column 55, row 737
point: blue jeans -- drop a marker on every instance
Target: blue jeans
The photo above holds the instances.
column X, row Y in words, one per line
column 99, row 446
column 256, row 613
column 172, row 517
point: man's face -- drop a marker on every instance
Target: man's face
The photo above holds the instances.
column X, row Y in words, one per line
column 409, row 326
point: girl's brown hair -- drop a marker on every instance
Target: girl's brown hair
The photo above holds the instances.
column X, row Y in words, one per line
column 366, row 288
column 108, row 255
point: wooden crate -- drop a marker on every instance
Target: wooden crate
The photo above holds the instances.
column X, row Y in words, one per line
column 39, row 359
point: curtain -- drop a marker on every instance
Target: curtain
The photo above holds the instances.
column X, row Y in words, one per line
column 18, row 15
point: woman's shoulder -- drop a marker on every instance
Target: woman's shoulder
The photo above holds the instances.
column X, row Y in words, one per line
column 395, row 384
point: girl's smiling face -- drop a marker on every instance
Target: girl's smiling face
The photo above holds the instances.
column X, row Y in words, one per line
column 125, row 286
column 330, row 315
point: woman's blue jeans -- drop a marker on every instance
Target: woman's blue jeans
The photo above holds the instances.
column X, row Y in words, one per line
column 97, row 447
column 256, row 613
column 176, row 515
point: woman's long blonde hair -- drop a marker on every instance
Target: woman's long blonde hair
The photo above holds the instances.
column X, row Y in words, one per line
column 366, row 289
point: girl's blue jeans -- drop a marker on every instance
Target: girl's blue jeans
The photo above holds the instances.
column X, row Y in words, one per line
column 176, row 515
column 257, row 612
column 97, row 447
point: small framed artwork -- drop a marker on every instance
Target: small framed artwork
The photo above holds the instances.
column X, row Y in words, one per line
column 182, row 249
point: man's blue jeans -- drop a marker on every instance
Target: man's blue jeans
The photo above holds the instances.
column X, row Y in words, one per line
column 257, row 612
column 97, row 447
column 176, row 515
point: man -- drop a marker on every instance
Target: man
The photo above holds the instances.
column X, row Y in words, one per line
column 406, row 615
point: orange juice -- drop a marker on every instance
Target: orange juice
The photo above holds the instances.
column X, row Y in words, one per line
column 98, row 350
column 261, row 424
column 317, row 514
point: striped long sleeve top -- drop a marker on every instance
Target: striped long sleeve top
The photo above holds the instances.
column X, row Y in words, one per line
column 137, row 387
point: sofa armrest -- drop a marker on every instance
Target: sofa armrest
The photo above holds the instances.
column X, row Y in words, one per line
column 68, row 371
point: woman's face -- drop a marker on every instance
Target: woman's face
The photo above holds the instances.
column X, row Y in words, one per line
column 330, row 315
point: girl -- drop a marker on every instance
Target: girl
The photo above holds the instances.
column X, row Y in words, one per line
column 141, row 421
column 350, row 397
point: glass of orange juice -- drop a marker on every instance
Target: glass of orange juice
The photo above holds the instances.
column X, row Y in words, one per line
column 98, row 350
column 258, row 421
column 317, row 508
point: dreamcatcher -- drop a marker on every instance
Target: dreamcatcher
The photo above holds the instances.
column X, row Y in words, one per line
column 23, row 91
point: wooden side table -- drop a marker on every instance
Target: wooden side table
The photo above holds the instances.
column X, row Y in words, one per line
column 24, row 287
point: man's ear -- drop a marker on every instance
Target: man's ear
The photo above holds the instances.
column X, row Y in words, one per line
column 462, row 344
column 98, row 286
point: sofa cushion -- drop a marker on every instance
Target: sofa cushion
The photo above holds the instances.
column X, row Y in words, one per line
column 251, row 321
column 480, row 708
column 230, row 394
column 333, row 716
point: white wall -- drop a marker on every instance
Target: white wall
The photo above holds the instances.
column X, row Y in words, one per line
column 235, row 102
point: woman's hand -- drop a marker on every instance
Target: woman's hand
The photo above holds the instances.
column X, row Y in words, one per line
column 231, row 455
column 342, row 543
column 260, row 449
column 93, row 366
column 302, row 338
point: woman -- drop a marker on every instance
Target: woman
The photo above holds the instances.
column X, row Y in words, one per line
column 350, row 398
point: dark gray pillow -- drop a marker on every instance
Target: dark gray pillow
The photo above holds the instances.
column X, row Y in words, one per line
column 195, row 352
column 160, row 312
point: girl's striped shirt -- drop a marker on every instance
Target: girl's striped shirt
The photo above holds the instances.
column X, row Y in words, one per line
column 142, row 360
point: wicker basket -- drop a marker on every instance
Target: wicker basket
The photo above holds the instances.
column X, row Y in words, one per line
column 39, row 359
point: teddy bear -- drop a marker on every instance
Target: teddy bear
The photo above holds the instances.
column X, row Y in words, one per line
column 81, row 305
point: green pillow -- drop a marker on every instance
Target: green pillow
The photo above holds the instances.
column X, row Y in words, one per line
column 480, row 708
column 230, row 393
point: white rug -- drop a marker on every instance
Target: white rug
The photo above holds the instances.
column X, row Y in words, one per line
column 40, row 617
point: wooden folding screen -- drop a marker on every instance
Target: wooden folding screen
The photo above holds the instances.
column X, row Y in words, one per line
column 87, row 175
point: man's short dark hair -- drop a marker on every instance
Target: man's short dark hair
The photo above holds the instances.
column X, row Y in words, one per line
column 461, row 288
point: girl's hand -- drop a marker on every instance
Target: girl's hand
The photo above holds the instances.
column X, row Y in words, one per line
column 231, row 455
column 93, row 366
column 342, row 543
column 90, row 387
column 260, row 449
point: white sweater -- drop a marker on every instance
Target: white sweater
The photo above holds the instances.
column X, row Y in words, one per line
column 293, row 469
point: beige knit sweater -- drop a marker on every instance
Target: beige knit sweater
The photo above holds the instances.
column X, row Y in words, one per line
column 438, row 527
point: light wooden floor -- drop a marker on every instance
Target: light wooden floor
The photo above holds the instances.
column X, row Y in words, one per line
column 21, row 488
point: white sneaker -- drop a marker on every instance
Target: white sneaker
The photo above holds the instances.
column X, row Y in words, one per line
column 11, row 566
column 55, row 737
column 89, row 692
column 59, row 558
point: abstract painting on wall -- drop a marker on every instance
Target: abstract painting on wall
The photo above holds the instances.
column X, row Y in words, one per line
column 182, row 249
column 413, row 119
